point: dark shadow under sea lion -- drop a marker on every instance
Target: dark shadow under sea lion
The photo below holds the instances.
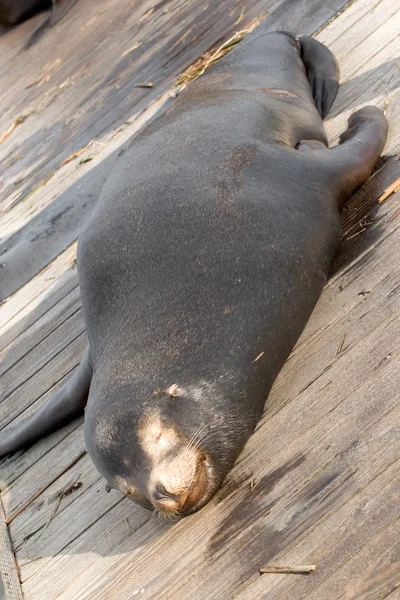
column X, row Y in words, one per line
column 207, row 251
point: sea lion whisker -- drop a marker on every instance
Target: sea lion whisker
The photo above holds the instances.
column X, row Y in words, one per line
column 193, row 438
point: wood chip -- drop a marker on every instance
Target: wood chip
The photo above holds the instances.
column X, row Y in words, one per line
column 393, row 187
column 75, row 485
column 240, row 17
column 131, row 49
column 172, row 390
column 144, row 85
column 396, row 214
column 294, row 569
column 146, row 14
column 19, row 510
column 9, row 131
column 340, row 348
column 75, row 154
column 39, row 82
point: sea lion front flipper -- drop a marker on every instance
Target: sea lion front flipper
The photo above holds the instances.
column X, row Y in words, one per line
column 322, row 72
column 67, row 404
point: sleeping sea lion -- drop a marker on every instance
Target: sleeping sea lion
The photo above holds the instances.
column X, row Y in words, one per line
column 207, row 251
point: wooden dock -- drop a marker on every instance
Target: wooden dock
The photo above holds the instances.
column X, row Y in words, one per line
column 319, row 481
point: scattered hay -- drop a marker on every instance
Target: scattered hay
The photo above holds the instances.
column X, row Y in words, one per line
column 394, row 187
column 210, row 58
column 16, row 123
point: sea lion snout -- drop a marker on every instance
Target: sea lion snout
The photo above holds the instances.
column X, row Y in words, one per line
column 179, row 472
column 180, row 485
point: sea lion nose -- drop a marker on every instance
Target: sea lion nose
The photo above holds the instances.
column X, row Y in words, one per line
column 159, row 493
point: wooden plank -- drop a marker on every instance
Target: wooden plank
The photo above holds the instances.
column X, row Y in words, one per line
column 13, row 466
column 316, row 362
column 331, row 543
column 44, row 379
column 16, row 309
column 41, row 330
column 59, row 517
column 303, row 17
column 122, row 521
column 43, row 473
column 354, row 30
column 373, row 573
column 366, row 273
column 41, row 354
column 31, row 313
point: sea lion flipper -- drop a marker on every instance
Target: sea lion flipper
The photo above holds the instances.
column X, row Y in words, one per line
column 349, row 164
column 322, row 72
column 67, row 404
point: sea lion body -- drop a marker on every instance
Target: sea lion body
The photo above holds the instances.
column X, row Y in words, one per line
column 211, row 255
column 203, row 260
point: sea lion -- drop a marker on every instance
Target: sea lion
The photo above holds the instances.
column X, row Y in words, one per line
column 15, row 11
column 207, row 251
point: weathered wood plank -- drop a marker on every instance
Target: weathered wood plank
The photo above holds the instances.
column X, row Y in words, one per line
column 51, row 530
column 43, row 473
column 316, row 364
column 370, row 575
column 42, row 330
column 67, row 281
column 354, row 31
column 44, row 380
column 41, row 354
column 103, row 537
column 16, row 310
column 330, row 544
column 8, row 566
column 364, row 274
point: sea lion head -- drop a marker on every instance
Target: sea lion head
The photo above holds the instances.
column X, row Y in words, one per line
column 169, row 451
